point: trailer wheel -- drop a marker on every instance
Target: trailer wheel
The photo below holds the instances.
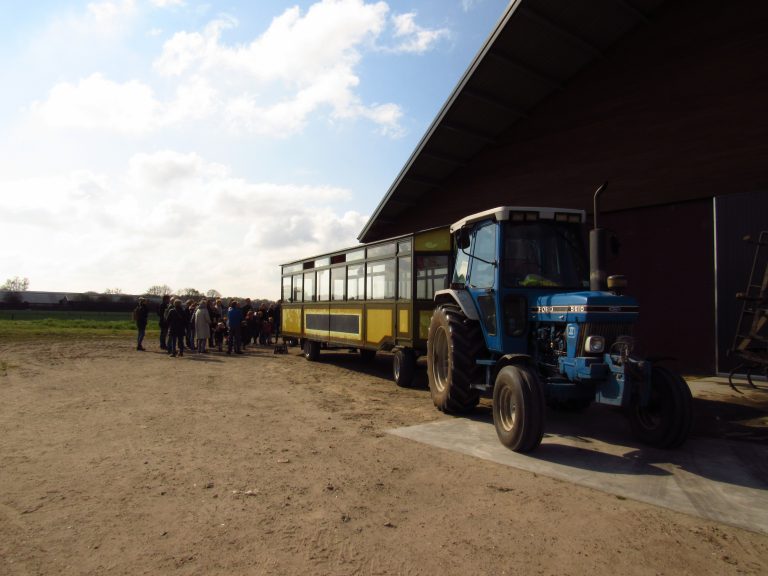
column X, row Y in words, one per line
column 666, row 421
column 403, row 367
column 518, row 408
column 453, row 345
column 311, row 350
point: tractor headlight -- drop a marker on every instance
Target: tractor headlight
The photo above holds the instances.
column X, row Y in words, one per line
column 594, row 344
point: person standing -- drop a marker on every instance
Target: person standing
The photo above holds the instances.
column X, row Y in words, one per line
column 234, row 321
column 189, row 312
column 202, row 325
column 141, row 315
column 177, row 326
column 276, row 313
column 161, row 311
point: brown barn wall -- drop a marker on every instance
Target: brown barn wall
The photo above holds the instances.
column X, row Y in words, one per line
column 677, row 111
column 673, row 116
column 667, row 255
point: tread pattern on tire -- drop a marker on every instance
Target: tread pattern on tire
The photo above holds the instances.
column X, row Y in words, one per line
column 465, row 345
column 407, row 364
column 677, row 416
column 530, row 431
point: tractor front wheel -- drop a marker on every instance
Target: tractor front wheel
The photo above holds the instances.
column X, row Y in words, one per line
column 453, row 346
column 518, row 408
column 665, row 421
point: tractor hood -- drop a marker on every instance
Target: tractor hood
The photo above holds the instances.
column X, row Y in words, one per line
column 584, row 307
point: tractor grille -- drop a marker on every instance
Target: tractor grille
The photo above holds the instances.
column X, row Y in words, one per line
column 608, row 330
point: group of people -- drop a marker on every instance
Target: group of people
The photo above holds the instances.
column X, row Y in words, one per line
column 205, row 324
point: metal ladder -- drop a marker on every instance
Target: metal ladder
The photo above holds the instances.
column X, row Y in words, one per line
column 750, row 344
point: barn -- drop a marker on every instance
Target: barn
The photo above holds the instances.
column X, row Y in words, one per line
column 665, row 100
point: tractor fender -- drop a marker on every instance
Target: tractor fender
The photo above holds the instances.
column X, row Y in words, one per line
column 508, row 359
column 459, row 297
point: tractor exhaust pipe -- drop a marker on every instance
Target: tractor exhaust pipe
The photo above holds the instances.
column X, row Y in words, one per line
column 598, row 249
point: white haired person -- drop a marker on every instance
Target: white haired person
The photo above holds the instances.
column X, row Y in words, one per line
column 202, row 321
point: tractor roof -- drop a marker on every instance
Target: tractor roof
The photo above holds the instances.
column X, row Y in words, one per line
column 522, row 213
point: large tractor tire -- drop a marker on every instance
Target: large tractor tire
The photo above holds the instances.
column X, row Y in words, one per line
column 666, row 420
column 518, row 408
column 454, row 344
column 404, row 367
column 311, row 350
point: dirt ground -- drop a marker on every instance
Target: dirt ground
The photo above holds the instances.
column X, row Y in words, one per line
column 114, row 461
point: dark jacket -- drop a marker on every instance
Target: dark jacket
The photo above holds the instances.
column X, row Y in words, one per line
column 141, row 314
column 162, row 309
column 177, row 320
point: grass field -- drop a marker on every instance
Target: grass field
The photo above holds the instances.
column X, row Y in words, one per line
column 19, row 324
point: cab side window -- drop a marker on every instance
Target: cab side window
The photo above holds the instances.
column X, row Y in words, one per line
column 484, row 256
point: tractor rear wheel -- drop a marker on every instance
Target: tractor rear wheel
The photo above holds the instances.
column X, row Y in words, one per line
column 518, row 408
column 454, row 344
column 311, row 350
column 666, row 420
column 403, row 367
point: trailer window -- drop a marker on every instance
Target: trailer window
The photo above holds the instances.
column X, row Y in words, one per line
column 404, row 279
column 338, row 280
column 298, row 294
column 355, row 282
column 382, row 250
column 286, row 295
column 380, row 279
column 324, row 285
column 431, row 276
column 309, row 287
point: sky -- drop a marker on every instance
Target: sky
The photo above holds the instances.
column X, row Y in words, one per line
column 202, row 144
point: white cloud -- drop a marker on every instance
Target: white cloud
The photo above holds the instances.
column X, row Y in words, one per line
column 168, row 3
column 303, row 67
column 412, row 37
column 96, row 102
column 172, row 218
column 131, row 107
column 108, row 12
column 300, row 65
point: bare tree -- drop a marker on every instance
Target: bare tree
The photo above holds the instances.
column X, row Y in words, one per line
column 159, row 290
column 16, row 284
column 113, row 291
column 213, row 293
column 190, row 293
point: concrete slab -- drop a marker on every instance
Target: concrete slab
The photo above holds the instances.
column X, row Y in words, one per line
column 717, row 479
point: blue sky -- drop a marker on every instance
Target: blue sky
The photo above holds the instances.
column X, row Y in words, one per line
column 200, row 145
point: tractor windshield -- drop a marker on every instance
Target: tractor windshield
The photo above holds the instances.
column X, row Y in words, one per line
column 543, row 254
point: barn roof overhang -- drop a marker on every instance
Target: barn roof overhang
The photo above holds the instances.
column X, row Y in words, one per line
column 533, row 52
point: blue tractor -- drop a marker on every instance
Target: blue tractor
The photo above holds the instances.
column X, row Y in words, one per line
column 529, row 322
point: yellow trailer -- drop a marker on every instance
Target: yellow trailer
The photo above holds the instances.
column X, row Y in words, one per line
column 371, row 297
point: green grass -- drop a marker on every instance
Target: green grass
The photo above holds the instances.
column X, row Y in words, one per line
column 24, row 324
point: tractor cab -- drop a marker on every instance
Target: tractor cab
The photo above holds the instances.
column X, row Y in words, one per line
column 508, row 259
